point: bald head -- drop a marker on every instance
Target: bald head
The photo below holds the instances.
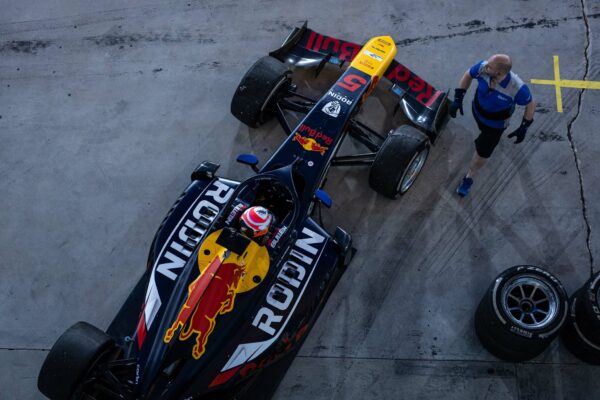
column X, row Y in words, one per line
column 498, row 66
column 501, row 63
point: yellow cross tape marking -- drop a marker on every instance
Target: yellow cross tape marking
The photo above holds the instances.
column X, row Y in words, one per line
column 580, row 84
column 564, row 83
column 557, row 87
column 569, row 84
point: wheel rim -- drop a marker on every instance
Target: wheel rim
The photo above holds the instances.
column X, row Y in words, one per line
column 412, row 171
column 272, row 93
column 530, row 302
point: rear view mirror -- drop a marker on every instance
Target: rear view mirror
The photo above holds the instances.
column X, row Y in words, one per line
column 324, row 198
column 250, row 160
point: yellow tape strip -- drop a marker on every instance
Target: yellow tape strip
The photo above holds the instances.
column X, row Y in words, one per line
column 566, row 83
column 580, row 84
column 543, row 82
column 559, row 106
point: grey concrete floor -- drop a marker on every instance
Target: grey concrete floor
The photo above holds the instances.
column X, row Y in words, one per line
column 106, row 107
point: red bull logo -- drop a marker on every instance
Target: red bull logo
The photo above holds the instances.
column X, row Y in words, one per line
column 315, row 134
column 309, row 144
column 214, row 292
column 210, row 295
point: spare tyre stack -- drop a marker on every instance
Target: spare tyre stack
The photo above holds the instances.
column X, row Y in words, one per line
column 582, row 331
column 521, row 313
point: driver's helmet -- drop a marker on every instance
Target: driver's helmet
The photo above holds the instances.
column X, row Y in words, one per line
column 256, row 221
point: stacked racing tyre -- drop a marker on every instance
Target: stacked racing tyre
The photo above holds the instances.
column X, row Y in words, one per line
column 254, row 100
column 581, row 335
column 523, row 310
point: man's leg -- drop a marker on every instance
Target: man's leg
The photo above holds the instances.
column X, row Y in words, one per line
column 484, row 146
column 476, row 163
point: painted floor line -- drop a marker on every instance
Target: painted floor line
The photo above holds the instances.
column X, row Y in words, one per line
column 564, row 83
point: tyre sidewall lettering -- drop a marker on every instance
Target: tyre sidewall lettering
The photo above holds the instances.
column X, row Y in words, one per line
column 504, row 320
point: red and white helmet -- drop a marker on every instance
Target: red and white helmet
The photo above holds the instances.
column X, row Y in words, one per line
column 256, row 221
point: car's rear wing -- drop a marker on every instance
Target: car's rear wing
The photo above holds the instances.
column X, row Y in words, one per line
column 424, row 105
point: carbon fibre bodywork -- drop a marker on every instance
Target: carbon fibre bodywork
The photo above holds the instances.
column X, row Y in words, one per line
column 425, row 106
column 307, row 278
column 270, row 320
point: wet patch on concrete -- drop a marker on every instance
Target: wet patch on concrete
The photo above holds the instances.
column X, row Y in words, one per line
column 24, row 46
column 524, row 23
column 434, row 38
column 203, row 66
column 542, row 109
column 469, row 24
column 453, row 369
column 121, row 107
column 276, row 26
column 122, row 39
column 550, row 137
column 398, row 19
column 543, row 23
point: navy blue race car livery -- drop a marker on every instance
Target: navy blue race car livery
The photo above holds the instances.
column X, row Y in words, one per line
column 220, row 314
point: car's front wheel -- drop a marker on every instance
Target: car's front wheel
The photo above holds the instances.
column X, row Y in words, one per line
column 399, row 161
column 254, row 98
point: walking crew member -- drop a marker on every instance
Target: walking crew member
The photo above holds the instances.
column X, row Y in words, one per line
column 498, row 90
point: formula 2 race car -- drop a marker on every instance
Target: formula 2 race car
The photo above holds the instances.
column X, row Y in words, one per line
column 219, row 314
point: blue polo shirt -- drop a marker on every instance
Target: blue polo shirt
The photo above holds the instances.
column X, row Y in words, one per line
column 500, row 100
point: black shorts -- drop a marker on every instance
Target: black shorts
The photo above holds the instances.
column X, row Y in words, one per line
column 487, row 140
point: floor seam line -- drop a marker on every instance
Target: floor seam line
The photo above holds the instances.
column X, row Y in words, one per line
column 437, row 360
column 573, row 146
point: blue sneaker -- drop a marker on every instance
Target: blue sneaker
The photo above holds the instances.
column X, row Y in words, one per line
column 464, row 187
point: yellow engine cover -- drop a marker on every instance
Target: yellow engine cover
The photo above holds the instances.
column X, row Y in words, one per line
column 255, row 261
column 375, row 57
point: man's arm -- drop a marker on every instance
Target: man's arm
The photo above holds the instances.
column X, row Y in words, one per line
column 529, row 110
column 465, row 81
column 519, row 133
column 459, row 94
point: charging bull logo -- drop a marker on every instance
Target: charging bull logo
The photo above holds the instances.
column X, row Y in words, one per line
column 223, row 275
column 309, row 144
column 210, row 295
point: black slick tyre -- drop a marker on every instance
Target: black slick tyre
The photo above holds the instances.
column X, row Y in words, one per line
column 520, row 314
column 399, row 161
column 253, row 100
column 589, row 297
column 577, row 336
column 71, row 359
column 488, row 340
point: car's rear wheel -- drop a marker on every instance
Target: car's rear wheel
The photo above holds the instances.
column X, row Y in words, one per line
column 521, row 313
column 254, row 100
column 399, row 161
column 71, row 359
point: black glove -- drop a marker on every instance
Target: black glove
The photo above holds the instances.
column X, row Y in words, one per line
column 459, row 95
column 520, row 132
